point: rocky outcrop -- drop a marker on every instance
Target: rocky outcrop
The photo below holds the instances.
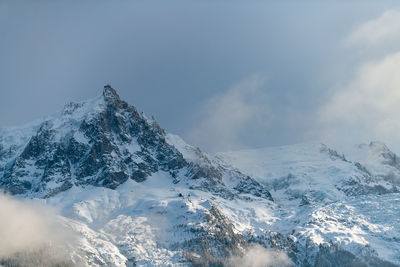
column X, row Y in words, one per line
column 104, row 142
column 215, row 242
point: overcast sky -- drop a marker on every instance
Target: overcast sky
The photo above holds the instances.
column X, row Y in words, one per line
column 222, row 74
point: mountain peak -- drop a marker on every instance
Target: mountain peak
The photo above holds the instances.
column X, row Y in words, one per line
column 110, row 95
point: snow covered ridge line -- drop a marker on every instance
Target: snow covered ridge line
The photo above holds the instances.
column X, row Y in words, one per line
column 104, row 142
column 135, row 195
column 104, row 145
column 343, row 201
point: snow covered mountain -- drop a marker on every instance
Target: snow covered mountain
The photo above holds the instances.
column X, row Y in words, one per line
column 330, row 201
column 136, row 195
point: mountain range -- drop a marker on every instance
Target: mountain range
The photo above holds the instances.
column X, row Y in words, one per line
column 134, row 195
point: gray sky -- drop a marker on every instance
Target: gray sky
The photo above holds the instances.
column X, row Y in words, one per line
column 222, row 74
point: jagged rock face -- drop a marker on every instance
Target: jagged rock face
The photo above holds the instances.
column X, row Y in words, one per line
column 387, row 156
column 116, row 128
column 138, row 195
column 214, row 243
column 101, row 148
column 103, row 142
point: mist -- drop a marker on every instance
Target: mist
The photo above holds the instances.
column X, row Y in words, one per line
column 227, row 118
column 257, row 256
column 365, row 107
column 32, row 234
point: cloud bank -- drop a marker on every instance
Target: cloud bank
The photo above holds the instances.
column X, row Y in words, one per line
column 367, row 108
column 31, row 235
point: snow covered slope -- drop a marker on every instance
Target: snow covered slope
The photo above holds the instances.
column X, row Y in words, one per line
column 109, row 168
column 348, row 201
column 137, row 196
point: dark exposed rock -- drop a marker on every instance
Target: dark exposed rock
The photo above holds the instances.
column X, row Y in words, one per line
column 248, row 185
column 284, row 182
column 362, row 168
column 101, row 161
column 214, row 243
column 354, row 186
column 333, row 255
column 308, row 254
column 389, row 158
column 332, row 153
column 105, row 142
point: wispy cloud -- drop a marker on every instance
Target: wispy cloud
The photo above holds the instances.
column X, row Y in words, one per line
column 31, row 235
column 228, row 115
column 257, row 256
column 378, row 31
column 366, row 108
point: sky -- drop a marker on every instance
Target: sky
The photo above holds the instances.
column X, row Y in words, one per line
column 224, row 75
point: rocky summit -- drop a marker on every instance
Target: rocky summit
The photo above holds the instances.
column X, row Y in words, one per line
column 103, row 142
column 135, row 195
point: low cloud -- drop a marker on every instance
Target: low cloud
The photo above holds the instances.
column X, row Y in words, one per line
column 258, row 256
column 227, row 116
column 368, row 107
column 31, row 235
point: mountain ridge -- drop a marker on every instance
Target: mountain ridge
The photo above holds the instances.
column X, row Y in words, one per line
column 102, row 142
column 137, row 195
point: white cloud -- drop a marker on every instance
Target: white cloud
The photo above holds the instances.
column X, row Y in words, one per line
column 369, row 107
column 364, row 108
column 226, row 116
column 258, row 256
column 384, row 29
column 30, row 234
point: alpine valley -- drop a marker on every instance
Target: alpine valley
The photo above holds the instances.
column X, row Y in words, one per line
column 135, row 195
